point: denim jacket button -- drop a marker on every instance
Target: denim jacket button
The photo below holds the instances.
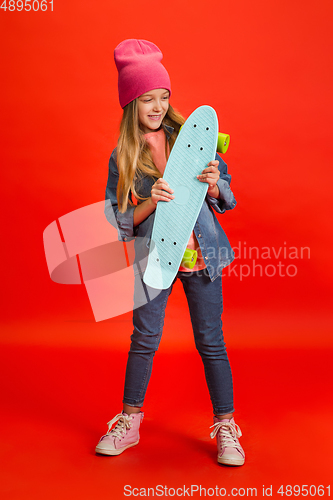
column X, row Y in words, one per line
column 199, row 235
column 206, row 257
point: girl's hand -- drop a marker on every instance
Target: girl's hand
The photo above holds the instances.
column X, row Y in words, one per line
column 161, row 191
column 211, row 175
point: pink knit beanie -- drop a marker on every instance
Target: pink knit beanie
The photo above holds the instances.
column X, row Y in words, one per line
column 139, row 69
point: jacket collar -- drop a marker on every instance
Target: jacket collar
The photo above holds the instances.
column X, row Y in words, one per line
column 168, row 130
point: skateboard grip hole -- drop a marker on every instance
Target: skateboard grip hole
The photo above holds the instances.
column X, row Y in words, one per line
column 207, row 128
column 189, row 145
column 175, row 243
column 195, row 125
column 201, row 149
column 162, row 239
column 169, row 263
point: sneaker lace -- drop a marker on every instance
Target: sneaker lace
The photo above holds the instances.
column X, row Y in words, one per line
column 229, row 432
column 123, row 424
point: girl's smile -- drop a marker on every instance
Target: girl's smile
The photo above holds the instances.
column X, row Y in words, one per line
column 153, row 107
column 154, row 117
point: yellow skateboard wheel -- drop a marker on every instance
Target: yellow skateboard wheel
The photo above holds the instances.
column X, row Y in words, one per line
column 189, row 258
column 222, row 142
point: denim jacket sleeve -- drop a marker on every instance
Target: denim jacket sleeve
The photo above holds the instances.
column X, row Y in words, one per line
column 122, row 221
column 226, row 200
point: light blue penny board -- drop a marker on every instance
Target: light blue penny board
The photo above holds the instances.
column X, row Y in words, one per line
column 194, row 148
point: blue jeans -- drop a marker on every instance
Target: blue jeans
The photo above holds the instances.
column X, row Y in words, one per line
column 205, row 303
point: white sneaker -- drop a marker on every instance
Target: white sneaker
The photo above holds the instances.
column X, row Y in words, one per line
column 229, row 451
column 124, row 435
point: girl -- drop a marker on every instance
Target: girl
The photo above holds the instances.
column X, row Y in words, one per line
column 148, row 130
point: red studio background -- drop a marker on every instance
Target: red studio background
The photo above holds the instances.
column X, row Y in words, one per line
column 265, row 67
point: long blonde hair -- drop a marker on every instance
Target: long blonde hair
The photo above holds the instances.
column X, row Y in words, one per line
column 133, row 154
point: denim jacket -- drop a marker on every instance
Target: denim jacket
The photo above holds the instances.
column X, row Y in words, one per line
column 213, row 242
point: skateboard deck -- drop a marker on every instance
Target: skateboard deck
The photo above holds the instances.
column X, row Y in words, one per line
column 194, row 148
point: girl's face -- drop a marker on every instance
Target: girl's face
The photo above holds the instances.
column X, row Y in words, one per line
column 152, row 107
